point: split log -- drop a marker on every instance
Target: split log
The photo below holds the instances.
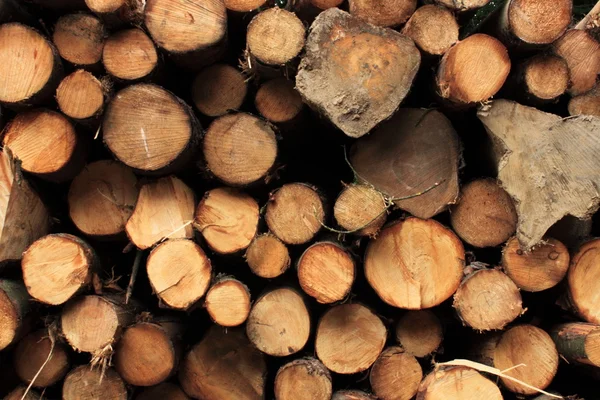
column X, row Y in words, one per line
column 164, row 210
column 295, row 213
column 79, row 39
column 345, row 327
column 31, row 69
column 46, row 143
column 58, row 266
column 396, row 375
column 279, row 323
column 118, row 12
column 21, row 393
column 179, row 272
column 244, row 5
column 334, row 79
column 413, row 159
column 583, row 280
column 164, row 391
column 419, row 333
column 582, row 54
column 352, row 395
column 227, row 219
column 267, row 256
column 586, row 104
column 81, row 96
column 433, row 28
column 487, row 299
column 224, row 366
column 457, row 383
column 130, row 55
column 39, row 361
column 279, row 102
column 326, row 272
column 531, row 149
column 485, row 215
column 239, row 149
column 84, row 382
column 307, row 376
column 150, row 129
column 415, row 264
column 228, row 302
column 218, row 89
column 578, row 342
column 102, row 198
column 360, row 209
column 386, row 13
column 15, row 304
column 463, row 5
column 473, row 70
column 539, row 269
column 25, row 218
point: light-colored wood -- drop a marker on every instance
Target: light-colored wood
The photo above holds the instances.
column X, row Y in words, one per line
column 306, row 376
column 396, row 375
column 582, row 54
column 227, row 219
column 164, row 391
column 349, row 338
column 416, row 151
column 279, row 323
column 30, row 358
column 462, row 5
column 386, row 13
column 102, row 198
column 118, row 12
column 129, row 54
column 217, row 89
column 415, row 263
column 433, row 28
column 275, row 36
column 419, row 332
column 334, row 79
column 179, row 272
column 224, row 366
column 267, row 256
column 545, row 77
column 586, row 104
column 325, row 4
column 352, row 395
column 535, row 22
column 295, row 213
column 583, row 280
column 15, row 304
column 473, row 70
column 228, row 302
column 244, row 5
column 86, row 383
column 326, row 272
column 164, row 210
column 457, row 383
column 80, row 95
column 19, row 394
column 578, row 342
column 278, row 101
column 530, row 164
column 360, row 209
column 539, row 269
column 80, row 38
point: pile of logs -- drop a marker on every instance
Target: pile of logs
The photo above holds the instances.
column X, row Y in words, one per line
column 299, row 199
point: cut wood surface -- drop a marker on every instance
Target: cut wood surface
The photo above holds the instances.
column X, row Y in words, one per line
column 578, row 342
column 419, row 333
column 40, row 362
column 129, row 55
column 530, row 164
column 218, row 89
column 462, row 5
column 386, row 13
column 415, row 263
column 544, row 77
column 15, row 304
column 582, row 54
column 334, row 80
column 179, row 272
column 349, row 326
column 244, row 5
column 583, row 280
column 396, row 375
column 117, row 12
column 433, row 28
column 326, row 4
column 81, row 95
column 278, row 101
column 587, row 103
column 80, row 38
column 267, row 256
column 352, row 395
column 227, row 219
column 228, row 302
column 279, row 323
column 86, row 383
column 360, row 209
column 416, row 152
column 457, row 383
column 307, row 376
column 164, row 391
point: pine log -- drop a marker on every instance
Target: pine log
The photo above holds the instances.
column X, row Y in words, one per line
column 473, row 70
column 217, row 89
column 487, row 299
column 194, row 33
column 227, row 219
column 239, row 149
column 335, row 80
column 58, row 266
column 485, row 215
column 539, row 269
column 81, row 96
column 572, row 231
column 349, row 338
column 413, row 159
column 15, row 304
column 164, row 391
column 79, row 39
column 415, row 263
column 542, row 78
column 267, row 256
column 117, row 12
column 352, row 395
column 295, row 213
column 457, row 383
column 306, row 376
column 88, row 383
column 228, row 302
column 164, row 210
column 224, row 366
column 531, row 150
column 279, row 323
column 385, row 13
column 326, row 272
column 326, row 4
column 578, row 342
column 102, row 198
column 150, row 129
column 179, row 272
column 46, row 143
column 39, row 361
column 279, row 102
column 582, row 54
column 583, row 280
column 130, row 55
column 31, row 68
column 462, row 5
column 419, row 333
column 586, row 104
column 244, row 5
column 21, row 393
column 433, row 28
column 396, row 375
column 25, row 218
column 360, row 209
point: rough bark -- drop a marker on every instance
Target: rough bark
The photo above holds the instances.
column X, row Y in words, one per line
column 578, row 342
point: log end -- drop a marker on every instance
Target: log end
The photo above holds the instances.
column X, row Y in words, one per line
column 218, row 89
column 267, row 256
column 228, row 302
column 419, row 333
